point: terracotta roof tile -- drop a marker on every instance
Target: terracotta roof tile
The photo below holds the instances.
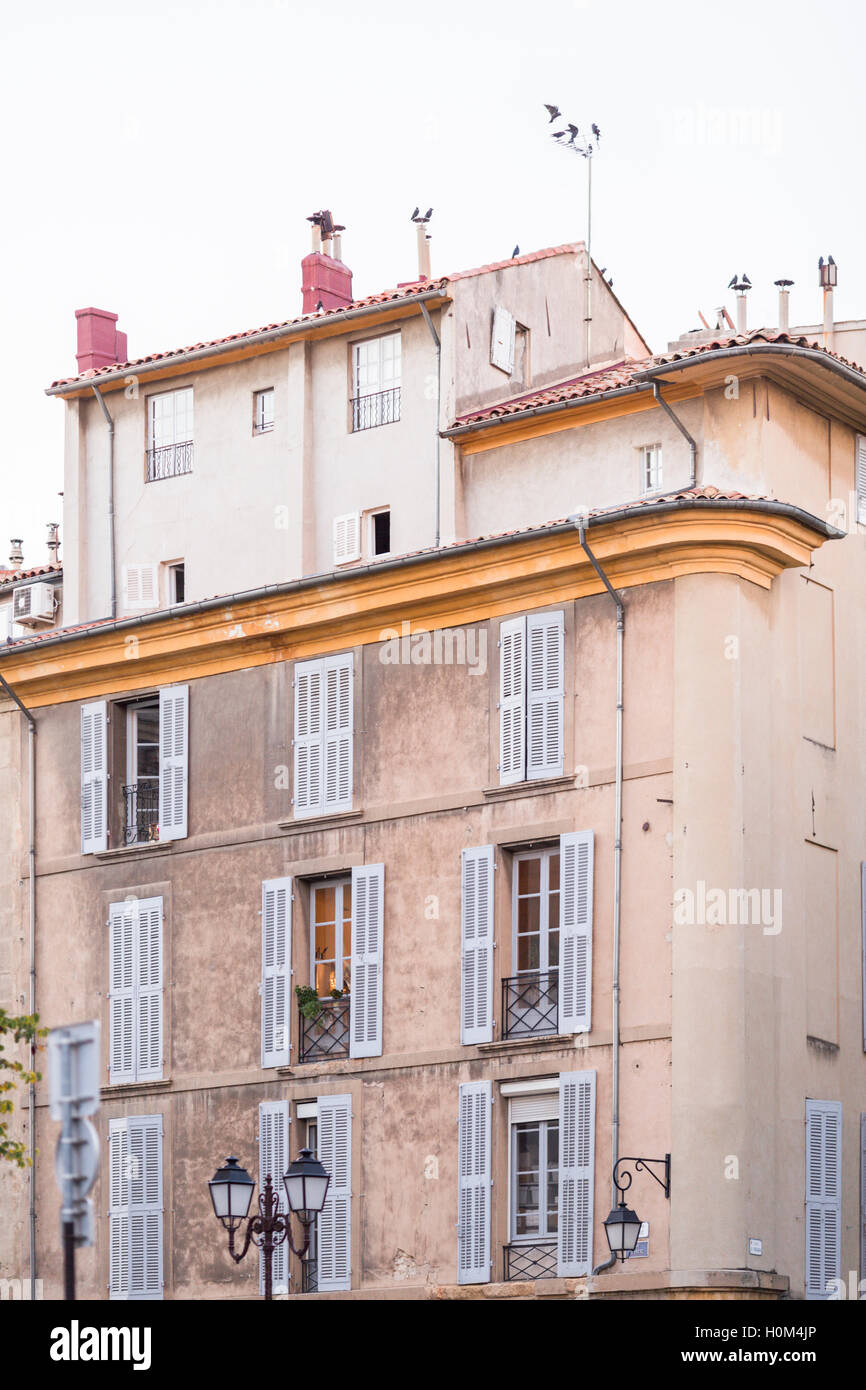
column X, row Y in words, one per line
column 15, row 576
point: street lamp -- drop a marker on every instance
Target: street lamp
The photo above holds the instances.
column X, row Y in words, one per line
column 622, row 1226
column 231, row 1191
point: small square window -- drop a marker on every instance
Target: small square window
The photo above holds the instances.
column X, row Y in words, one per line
column 651, row 467
column 380, row 533
column 263, row 411
column 176, row 584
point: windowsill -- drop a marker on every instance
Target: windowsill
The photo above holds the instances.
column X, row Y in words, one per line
column 527, row 787
column 121, row 851
column 320, row 822
column 119, row 1089
column 554, row 1040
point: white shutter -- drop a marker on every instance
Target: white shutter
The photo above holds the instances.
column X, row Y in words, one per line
column 173, row 761
column 94, row 777
column 337, row 673
column 276, row 970
column 122, row 945
column 545, row 676
column 823, row 1195
column 274, row 1160
column 308, row 738
column 368, row 920
column 860, row 473
column 334, row 1225
column 347, row 538
column 149, row 990
column 135, row 993
column 476, row 989
column 575, row 948
column 502, row 339
column 135, row 1211
column 140, row 587
column 473, row 1217
column 576, row 1165
column 512, row 701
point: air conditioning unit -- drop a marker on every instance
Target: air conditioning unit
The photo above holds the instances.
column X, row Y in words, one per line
column 33, row 604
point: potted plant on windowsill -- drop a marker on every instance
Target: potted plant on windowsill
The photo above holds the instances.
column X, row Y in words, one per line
column 309, row 1003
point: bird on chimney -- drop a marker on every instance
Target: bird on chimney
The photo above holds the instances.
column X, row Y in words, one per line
column 428, row 214
column 414, row 216
column 553, row 111
column 745, row 283
column 732, row 283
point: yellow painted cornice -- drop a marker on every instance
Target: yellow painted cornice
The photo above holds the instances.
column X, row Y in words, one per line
column 464, row 585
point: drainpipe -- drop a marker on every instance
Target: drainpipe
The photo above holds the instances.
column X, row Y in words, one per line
column 693, row 448
column 617, row 869
column 31, row 1102
column 111, row 543
column 438, row 344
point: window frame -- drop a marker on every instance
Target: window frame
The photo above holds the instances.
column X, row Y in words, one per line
column 371, row 533
column 544, row 853
column 261, row 425
column 651, row 468
column 382, row 385
column 172, row 569
column 538, row 1237
column 339, row 883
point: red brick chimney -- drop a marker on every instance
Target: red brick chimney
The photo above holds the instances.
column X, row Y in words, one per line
column 326, row 281
column 99, row 342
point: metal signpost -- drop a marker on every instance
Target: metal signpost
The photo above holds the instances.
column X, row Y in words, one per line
column 73, row 1066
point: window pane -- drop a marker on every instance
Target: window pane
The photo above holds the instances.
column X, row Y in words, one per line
column 553, row 950
column 528, row 953
column 325, row 904
column 553, row 872
column 528, row 915
column 528, row 875
column 527, row 1148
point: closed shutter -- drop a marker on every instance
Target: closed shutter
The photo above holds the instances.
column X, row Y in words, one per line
column 135, row 990
column 94, row 777
column 347, row 538
column 476, row 990
column 860, row 470
column 575, row 951
column 276, row 970
column 544, row 699
column 173, row 761
column 337, row 683
column 473, row 1217
column 274, row 1161
column 136, row 1207
column 308, row 738
column 502, row 339
column 122, row 949
column 149, row 1001
column 368, row 920
column 140, row 587
column 823, row 1195
column 576, row 1165
column 512, row 701
column 335, row 1222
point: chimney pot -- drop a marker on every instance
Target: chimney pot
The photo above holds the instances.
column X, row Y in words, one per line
column 100, row 344
column 783, row 287
column 325, row 280
column 16, row 554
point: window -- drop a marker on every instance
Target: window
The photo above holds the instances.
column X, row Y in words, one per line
column 651, row 467
column 531, row 996
column 323, row 736
column 141, row 792
column 176, row 584
column 169, row 434
column 263, row 411
column 331, row 939
column 531, row 691
column 535, row 1180
column 346, row 923
column 376, row 371
column 135, row 1207
column 823, row 1195
column 380, row 533
column 135, row 990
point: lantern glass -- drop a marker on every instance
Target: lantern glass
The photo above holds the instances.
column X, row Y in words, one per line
column 306, row 1185
column 622, row 1229
column 231, row 1191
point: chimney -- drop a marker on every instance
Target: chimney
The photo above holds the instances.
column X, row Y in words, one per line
column 16, row 554
column 783, row 287
column 326, row 281
column 53, row 542
column 423, row 251
column 99, row 342
column 742, row 309
column 828, row 279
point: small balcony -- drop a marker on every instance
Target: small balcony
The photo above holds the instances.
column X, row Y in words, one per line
column 530, row 1004
column 379, row 408
column 525, row 1261
column 310, row 1270
column 169, row 461
column 327, row 1035
column 141, row 813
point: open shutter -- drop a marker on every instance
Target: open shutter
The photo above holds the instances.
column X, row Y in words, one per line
column 149, row 991
column 544, row 698
column 473, row 1217
column 140, row 587
column 823, row 1195
column 338, row 712
column 575, row 952
column 94, row 777
column 274, row 1160
column 135, row 1210
column 476, row 989
column 502, row 339
column 347, row 538
column 860, row 471
column 276, row 970
column 118, row 1209
column 335, row 1222
column 173, row 761
column 512, row 701
column 308, row 738
column 122, row 948
column 576, row 1164
column 368, row 919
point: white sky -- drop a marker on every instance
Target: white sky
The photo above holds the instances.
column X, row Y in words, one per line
column 160, row 159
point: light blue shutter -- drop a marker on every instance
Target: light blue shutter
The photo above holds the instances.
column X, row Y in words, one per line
column 276, row 970
column 512, row 701
column 823, row 1195
column 337, row 673
column 308, row 791
column 476, row 988
column 575, row 950
column 274, row 1160
column 136, row 1207
column 173, row 761
column 135, row 990
column 576, row 1167
column 473, row 1216
column 545, row 684
column 335, row 1221
column 368, row 920
column 148, row 912
column 94, row 777
column 122, row 950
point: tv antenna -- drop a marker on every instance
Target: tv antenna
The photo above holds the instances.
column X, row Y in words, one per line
column 586, row 146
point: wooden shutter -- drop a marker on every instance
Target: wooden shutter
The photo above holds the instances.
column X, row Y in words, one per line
column 347, row 538
column 545, row 677
column 338, row 716
column 476, row 990
column 136, row 1207
column 860, row 472
column 502, row 339
column 135, row 990
column 122, row 947
column 276, row 970
column 512, row 701
column 823, row 1195
column 368, row 920
column 173, row 761
column 575, row 949
column 335, row 1222
column 140, row 587
column 473, row 1217
column 576, row 1165
column 274, row 1160
column 308, row 738
column 94, row 777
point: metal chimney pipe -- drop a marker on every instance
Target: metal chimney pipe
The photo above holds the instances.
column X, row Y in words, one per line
column 828, row 275
column 423, row 251
column 783, row 287
column 337, row 251
column 16, row 554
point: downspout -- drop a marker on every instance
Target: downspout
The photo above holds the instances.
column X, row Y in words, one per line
column 111, row 542
column 693, row 448
column 435, row 336
column 31, row 1102
column 617, row 874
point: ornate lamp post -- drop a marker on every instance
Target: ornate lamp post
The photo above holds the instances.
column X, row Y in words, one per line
column 231, row 1191
column 622, row 1226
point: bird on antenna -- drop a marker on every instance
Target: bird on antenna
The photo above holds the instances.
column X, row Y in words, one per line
column 557, row 134
column 515, row 252
column 595, row 130
column 574, row 131
column 553, row 111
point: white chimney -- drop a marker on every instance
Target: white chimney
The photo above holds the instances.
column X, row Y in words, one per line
column 742, row 312
column 828, row 278
column 16, row 554
column 784, row 295
column 423, row 250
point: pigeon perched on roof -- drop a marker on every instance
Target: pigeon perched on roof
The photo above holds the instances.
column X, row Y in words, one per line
column 515, row 252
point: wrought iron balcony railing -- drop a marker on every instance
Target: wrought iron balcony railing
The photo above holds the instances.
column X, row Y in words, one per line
column 326, row 1035
column 525, row 1261
column 530, row 1004
column 169, row 461
column 380, row 408
column 310, row 1273
column 141, row 820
